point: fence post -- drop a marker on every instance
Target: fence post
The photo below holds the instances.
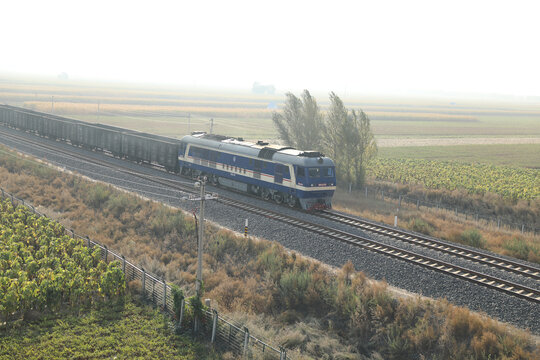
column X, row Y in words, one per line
column 214, row 326
column 476, row 217
column 382, row 195
column 124, row 265
column 366, row 191
column 456, row 211
column 282, row 353
column 88, row 240
column 164, row 295
column 246, row 340
column 498, row 223
column 106, row 254
column 144, row 283
column 153, row 291
column 182, row 304
column 522, row 228
column 2, row 193
column 72, row 233
column 399, row 202
column 417, row 204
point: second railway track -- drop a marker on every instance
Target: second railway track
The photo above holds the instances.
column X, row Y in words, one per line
column 509, row 287
column 434, row 244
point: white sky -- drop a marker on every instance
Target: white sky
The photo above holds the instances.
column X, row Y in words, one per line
column 341, row 46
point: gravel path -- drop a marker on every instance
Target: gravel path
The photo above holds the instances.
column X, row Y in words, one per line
column 397, row 273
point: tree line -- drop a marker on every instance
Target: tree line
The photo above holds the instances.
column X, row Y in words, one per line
column 342, row 134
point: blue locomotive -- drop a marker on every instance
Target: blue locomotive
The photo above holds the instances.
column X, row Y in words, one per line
column 284, row 174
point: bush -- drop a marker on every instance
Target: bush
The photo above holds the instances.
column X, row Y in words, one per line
column 519, row 248
column 118, row 204
column 166, row 221
column 293, row 288
column 96, row 195
column 472, row 238
column 421, row 226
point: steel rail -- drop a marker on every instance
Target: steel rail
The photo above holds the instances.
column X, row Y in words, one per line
column 434, row 244
column 475, row 277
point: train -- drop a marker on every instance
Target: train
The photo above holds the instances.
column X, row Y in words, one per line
column 298, row 178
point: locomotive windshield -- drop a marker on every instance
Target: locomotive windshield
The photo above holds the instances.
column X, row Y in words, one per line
column 321, row 172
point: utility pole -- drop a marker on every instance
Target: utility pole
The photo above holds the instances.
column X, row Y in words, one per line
column 202, row 185
column 211, row 125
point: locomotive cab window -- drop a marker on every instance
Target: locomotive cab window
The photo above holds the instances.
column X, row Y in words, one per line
column 300, row 172
column 327, row 171
column 314, row 172
column 321, row 172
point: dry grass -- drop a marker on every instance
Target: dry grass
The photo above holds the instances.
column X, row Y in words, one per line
column 289, row 300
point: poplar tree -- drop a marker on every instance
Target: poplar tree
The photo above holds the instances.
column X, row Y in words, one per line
column 301, row 125
column 349, row 142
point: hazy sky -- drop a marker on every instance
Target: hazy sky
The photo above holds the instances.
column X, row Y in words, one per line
column 342, row 46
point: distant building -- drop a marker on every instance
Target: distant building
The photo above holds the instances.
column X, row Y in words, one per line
column 263, row 89
column 272, row 105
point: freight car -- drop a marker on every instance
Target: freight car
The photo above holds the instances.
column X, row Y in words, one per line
column 128, row 144
column 298, row 178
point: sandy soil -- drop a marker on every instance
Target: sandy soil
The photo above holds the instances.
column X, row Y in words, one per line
column 455, row 141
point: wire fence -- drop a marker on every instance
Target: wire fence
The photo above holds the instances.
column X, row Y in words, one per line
column 403, row 200
column 212, row 327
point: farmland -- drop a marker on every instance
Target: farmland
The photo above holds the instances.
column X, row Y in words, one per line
column 514, row 155
column 42, row 271
column 509, row 183
column 176, row 111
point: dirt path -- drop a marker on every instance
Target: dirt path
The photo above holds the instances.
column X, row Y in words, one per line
column 456, row 141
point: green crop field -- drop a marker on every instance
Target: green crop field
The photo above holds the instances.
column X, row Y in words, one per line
column 73, row 302
column 117, row 331
column 510, row 183
column 514, row 155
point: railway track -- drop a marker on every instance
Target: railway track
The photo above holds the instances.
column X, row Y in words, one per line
column 434, row 244
column 476, row 277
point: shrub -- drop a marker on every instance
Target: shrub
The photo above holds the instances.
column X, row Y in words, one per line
column 292, row 288
column 118, row 204
column 472, row 238
column 96, row 195
column 421, row 226
column 519, row 248
column 166, row 221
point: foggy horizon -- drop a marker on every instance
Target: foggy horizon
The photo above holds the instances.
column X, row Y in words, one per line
column 351, row 48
